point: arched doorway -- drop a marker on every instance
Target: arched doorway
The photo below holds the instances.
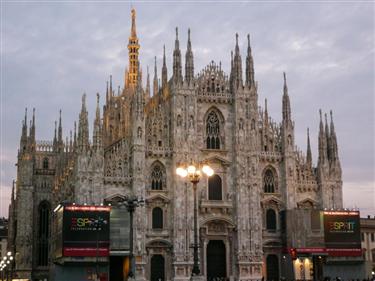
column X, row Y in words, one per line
column 157, row 268
column 216, row 260
column 272, row 268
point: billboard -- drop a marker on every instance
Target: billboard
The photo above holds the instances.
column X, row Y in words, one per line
column 342, row 229
column 85, row 231
column 119, row 229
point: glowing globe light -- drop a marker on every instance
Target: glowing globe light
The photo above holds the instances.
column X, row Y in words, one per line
column 191, row 169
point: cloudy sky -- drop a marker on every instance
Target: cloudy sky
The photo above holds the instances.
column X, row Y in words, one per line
column 53, row 51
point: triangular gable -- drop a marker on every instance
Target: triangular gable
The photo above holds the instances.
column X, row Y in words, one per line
column 115, row 198
column 217, row 158
column 272, row 199
column 307, row 201
column 154, row 197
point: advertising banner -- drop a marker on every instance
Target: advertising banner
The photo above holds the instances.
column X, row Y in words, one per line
column 119, row 229
column 342, row 229
column 86, row 231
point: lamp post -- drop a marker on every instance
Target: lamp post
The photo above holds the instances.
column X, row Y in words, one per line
column 10, row 262
column 2, row 269
column 194, row 173
column 131, row 203
column 6, row 263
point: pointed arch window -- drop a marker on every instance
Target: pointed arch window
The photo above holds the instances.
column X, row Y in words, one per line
column 213, row 131
column 271, row 220
column 43, row 233
column 269, row 183
column 157, row 218
column 215, row 188
column 158, row 177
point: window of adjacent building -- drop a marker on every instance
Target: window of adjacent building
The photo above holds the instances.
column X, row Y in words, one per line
column 269, row 185
column 271, row 219
column 157, row 177
column 157, row 218
column 43, row 233
column 372, row 237
column 214, row 188
column 45, row 163
column 213, row 131
column 363, row 237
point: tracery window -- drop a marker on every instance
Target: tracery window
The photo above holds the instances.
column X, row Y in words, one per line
column 214, row 188
column 157, row 218
column 271, row 220
column 43, row 233
column 213, row 131
column 269, row 184
column 157, row 177
column 45, row 163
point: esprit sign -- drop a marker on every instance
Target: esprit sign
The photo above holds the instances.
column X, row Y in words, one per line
column 342, row 226
column 342, row 229
column 86, row 231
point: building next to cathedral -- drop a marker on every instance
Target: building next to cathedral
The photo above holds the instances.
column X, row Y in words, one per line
column 138, row 140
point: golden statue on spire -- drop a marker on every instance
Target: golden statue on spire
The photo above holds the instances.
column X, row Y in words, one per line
column 131, row 74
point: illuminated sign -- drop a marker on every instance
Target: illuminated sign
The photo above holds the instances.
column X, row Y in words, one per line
column 342, row 226
column 342, row 229
column 85, row 231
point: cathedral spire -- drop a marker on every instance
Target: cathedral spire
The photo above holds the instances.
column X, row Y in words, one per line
column 32, row 129
column 12, row 196
column 133, row 30
column 333, row 141
column 24, row 128
column 249, row 65
column 138, row 99
column 155, row 85
column 59, row 139
column 327, row 137
column 110, row 86
column 107, row 94
column 83, row 128
column 308, row 153
column 147, row 93
column 75, row 135
column 237, row 67
column 177, row 69
column 189, row 61
column 133, row 49
column 265, row 114
column 55, row 137
column 286, row 103
column 322, row 142
column 164, row 73
column 97, row 133
column 24, row 137
column 70, row 141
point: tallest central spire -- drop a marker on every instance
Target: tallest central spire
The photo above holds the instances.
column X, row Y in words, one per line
column 131, row 75
column 133, row 31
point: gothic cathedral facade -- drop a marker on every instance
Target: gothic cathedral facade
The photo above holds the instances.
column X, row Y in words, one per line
column 136, row 145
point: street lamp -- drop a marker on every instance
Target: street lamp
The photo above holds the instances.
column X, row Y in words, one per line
column 131, row 203
column 194, row 173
